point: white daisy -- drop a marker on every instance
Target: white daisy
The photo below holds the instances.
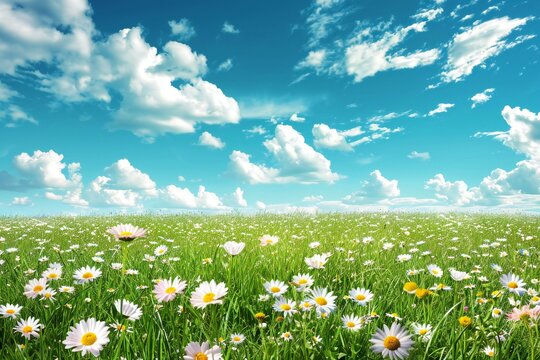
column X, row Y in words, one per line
column 203, row 351
column 10, row 310
column 393, row 342
column 361, row 296
column 275, row 287
column 352, row 322
column 161, row 250
column 233, row 248
column 127, row 232
column 422, row 330
column 435, row 270
column 166, row 290
column 513, row 283
column 208, row 293
column 302, row 281
column 87, row 336
column 323, row 300
column 287, row 307
column 128, row 309
column 268, row 240
column 317, row 261
column 35, row 287
column 28, row 328
column 237, row 338
column 86, row 274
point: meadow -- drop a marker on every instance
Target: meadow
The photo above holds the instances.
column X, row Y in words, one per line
column 336, row 286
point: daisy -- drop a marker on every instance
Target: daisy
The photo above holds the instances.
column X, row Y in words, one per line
column 435, row 270
column 352, row 322
column 513, row 283
column 422, row 330
column 197, row 351
column 275, row 287
column 86, row 274
column 361, row 296
column 459, row 275
column 128, row 309
column 237, row 338
column 87, row 336
column 393, row 342
column 208, row 293
column 120, row 328
column 317, row 261
column 10, row 310
column 67, row 289
column 48, row 294
column 233, row 248
column 166, row 290
column 524, row 313
column 127, row 232
column 28, row 327
column 52, row 274
column 34, row 288
column 161, row 250
column 287, row 336
column 285, row 306
column 268, row 240
column 302, row 281
column 323, row 300
column 489, row 351
column 496, row 312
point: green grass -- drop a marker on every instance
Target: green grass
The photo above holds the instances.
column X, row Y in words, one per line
column 454, row 241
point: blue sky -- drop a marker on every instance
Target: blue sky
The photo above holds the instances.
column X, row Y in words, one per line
column 247, row 106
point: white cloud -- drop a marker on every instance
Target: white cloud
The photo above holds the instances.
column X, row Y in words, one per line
column 314, row 60
column 297, row 118
column 267, row 108
column 239, row 199
column 46, row 169
column 323, row 15
column 14, row 115
column 389, row 116
column 456, row 192
column 100, row 193
column 226, row 65
column 368, row 56
column 6, row 93
column 21, row 201
column 419, row 155
column 441, row 108
column 123, row 175
column 297, row 161
column 207, row 139
column 313, row 198
column 524, row 133
column 377, row 187
column 182, row 29
column 60, row 35
column 481, row 97
column 70, row 197
column 428, row 14
column 229, row 28
column 477, row 44
column 257, row 129
column 329, row 138
column 184, row 198
column 260, row 205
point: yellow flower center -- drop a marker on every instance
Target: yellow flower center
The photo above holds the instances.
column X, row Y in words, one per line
column 275, row 289
column 87, row 275
column 236, row 338
column 497, row 311
column 321, row 301
column 350, row 324
column 200, row 356
column 125, row 234
column 52, row 276
column 391, row 343
column 170, row 290
column 209, row 297
column 10, row 311
column 88, row 339
column 27, row 329
column 48, row 295
column 465, row 321
column 423, row 331
column 285, row 307
column 513, row 285
column 120, row 327
column 360, row 297
column 38, row 288
column 302, row 282
column 287, row 335
column 268, row 241
column 410, row 286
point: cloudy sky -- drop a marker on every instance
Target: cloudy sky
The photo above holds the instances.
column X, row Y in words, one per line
column 277, row 106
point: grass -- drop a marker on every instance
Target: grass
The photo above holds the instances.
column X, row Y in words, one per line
column 470, row 243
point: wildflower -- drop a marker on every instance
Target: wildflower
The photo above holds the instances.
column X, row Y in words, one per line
column 10, row 310
column 161, row 250
column 268, row 240
column 34, row 288
column 208, row 293
column 323, row 300
column 275, row 288
column 317, row 261
column 422, row 330
column 233, row 248
column 86, row 274
column 28, row 328
column 285, row 306
column 128, row 309
column 302, row 281
column 127, row 232
column 352, row 322
column 287, row 336
column 465, row 321
column 237, row 338
column 489, row 351
column 166, row 290
column 410, row 287
column 87, row 336
column 435, row 270
column 361, row 296
column 513, row 283
column 393, row 342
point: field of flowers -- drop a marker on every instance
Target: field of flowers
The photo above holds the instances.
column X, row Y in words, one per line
column 338, row 286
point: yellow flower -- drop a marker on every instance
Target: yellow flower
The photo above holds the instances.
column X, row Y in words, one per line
column 422, row 293
column 465, row 321
column 410, row 287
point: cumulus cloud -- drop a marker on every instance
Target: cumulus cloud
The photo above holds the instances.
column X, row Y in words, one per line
column 329, row 138
column 441, row 108
column 182, row 29
column 209, row 140
column 314, row 59
column 481, row 97
column 456, row 192
column 478, row 43
column 239, row 199
column 229, row 28
column 185, row 199
column 159, row 92
column 369, row 54
column 296, row 160
column 377, row 187
column 297, row 118
column 46, row 169
column 100, row 193
column 125, row 175
column 419, row 155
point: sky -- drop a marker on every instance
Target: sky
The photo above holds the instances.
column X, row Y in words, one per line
column 245, row 106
